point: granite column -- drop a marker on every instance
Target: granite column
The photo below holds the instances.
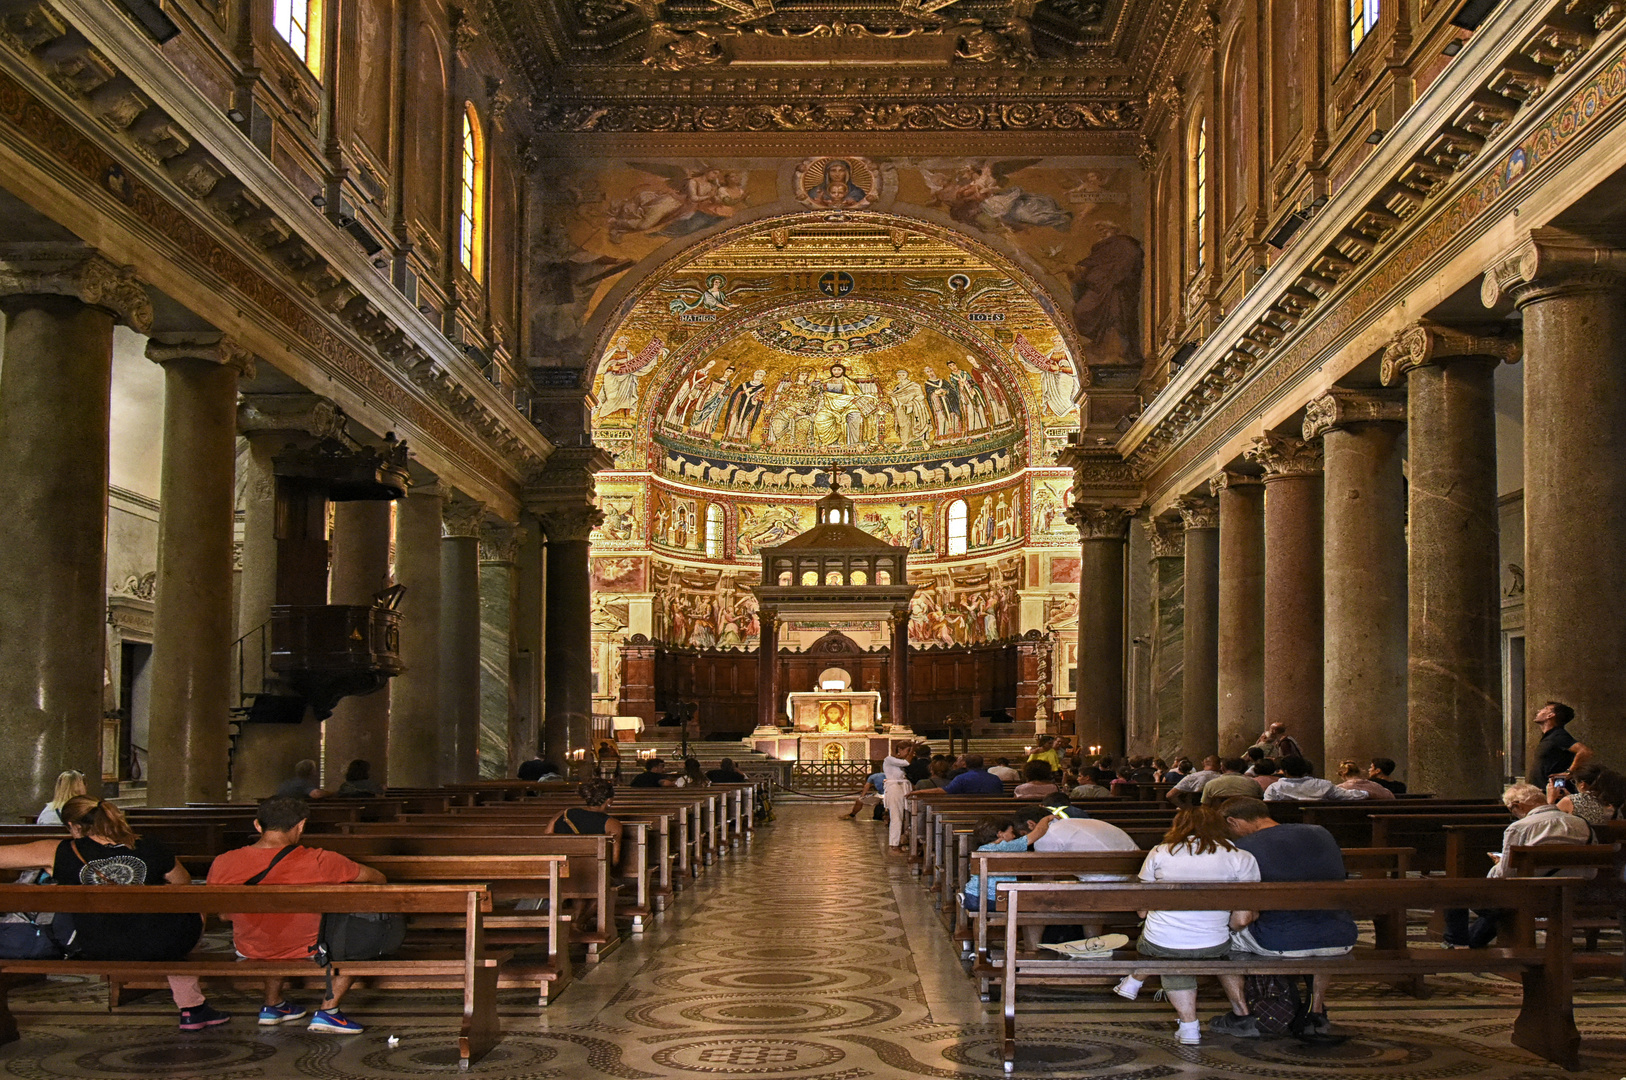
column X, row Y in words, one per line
column 61, row 302
column 1294, row 652
column 360, row 724
column 1572, row 293
column 1168, row 542
column 1103, row 530
column 499, row 580
column 460, row 641
column 1241, row 645
column 192, row 618
column 415, row 717
column 1364, row 588
column 567, row 652
column 1200, row 671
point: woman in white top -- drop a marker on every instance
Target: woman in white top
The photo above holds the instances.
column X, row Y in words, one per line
column 1196, row 848
column 68, row 785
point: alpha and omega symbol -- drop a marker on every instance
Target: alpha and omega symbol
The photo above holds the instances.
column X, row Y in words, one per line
column 836, row 283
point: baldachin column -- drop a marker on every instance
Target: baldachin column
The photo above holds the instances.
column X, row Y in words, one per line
column 1572, row 293
column 1200, row 674
column 61, row 302
column 192, row 616
column 1103, row 531
column 1293, row 592
column 1364, row 578
column 1241, row 646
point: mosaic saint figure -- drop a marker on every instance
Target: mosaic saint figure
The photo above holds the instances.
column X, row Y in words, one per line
column 686, row 393
column 622, row 370
column 909, row 408
column 972, row 402
column 745, row 406
column 944, row 398
column 839, row 417
column 710, row 406
column 1057, row 382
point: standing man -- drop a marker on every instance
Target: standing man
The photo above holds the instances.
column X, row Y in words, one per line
column 1558, row 752
column 895, row 792
column 1277, row 743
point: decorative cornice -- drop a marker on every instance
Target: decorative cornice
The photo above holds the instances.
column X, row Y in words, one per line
column 1115, row 115
column 1284, row 456
column 72, row 269
column 209, row 348
column 1100, row 522
column 462, row 518
column 1425, row 342
column 1226, row 479
column 1552, row 262
column 1198, row 513
column 1339, row 408
column 1168, row 537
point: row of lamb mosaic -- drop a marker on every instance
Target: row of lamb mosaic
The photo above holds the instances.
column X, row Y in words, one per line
column 945, row 472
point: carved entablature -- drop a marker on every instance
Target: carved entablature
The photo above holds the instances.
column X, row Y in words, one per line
column 1107, row 115
column 1339, row 408
column 1284, row 456
column 1426, row 342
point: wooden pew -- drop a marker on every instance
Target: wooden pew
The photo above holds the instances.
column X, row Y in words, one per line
column 1600, row 901
column 1546, row 1022
column 474, row 969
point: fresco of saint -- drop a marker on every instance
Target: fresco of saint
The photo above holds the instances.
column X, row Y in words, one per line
column 1106, row 294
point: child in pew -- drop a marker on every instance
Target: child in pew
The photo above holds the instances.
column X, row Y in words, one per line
column 278, row 858
column 104, row 850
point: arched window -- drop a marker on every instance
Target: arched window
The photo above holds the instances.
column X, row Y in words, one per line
column 714, row 531
column 298, row 22
column 1199, row 194
column 810, row 577
column 859, row 578
column 883, row 577
column 471, row 218
column 1363, row 16
column 956, row 527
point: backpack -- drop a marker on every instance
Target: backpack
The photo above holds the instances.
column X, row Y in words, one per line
column 1274, row 1003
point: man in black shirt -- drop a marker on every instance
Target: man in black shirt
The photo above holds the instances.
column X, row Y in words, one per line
column 920, row 763
column 726, row 773
column 1379, row 775
column 1558, row 751
column 654, row 775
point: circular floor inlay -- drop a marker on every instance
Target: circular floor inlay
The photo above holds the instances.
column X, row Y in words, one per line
column 776, row 978
column 167, row 1054
column 759, row 1012
column 1045, row 1053
column 743, row 1057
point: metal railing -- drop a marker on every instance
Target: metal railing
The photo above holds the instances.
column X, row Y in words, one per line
column 831, row 778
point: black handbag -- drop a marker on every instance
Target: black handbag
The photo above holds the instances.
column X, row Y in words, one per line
column 361, row 935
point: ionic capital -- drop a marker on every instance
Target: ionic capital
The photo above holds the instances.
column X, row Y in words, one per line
column 74, row 270
column 461, row 518
column 1100, row 522
column 1168, row 538
column 1339, row 408
column 1552, row 262
column 500, row 543
column 1425, row 342
column 1284, row 456
column 575, row 523
column 1225, row 479
column 209, row 348
column 1198, row 513
column 282, row 413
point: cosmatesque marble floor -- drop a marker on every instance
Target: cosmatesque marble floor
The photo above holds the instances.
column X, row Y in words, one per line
column 809, row 955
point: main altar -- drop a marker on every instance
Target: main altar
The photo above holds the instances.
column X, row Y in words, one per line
column 833, row 572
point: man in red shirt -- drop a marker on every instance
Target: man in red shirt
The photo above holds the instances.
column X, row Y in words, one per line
column 281, row 822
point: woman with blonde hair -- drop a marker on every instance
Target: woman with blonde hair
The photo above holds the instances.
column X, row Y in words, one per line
column 1353, row 778
column 69, row 782
column 1197, row 847
column 102, row 849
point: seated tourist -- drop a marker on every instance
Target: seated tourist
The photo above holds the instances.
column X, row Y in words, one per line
column 692, row 775
column 1265, row 773
column 937, row 778
column 1253, row 755
column 1197, row 847
column 537, row 771
column 1182, row 768
column 68, row 784
column 102, row 849
column 1104, row 773
column 1284, row 852
column 1124, row 781
column 976, row 780
column 1351, row 778
column 1190, row 787
column 278, row 858
column 1160, row 770
column 1046, row 752
column 1591, row 792
column 1002, row 769
column 1087, row 788
column 726, row 773
column 1141, row 771
column 359, row 782
column 303, row 783
column 1297, row 785
column 1537, row 822
column 1232, row 781
column 1072, row 829
column 1000, row 834
column 1379, row 774
column 592, row 818
column 653, row 776
column 1040, row 781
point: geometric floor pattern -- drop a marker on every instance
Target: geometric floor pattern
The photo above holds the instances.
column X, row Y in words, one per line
column 811, row 955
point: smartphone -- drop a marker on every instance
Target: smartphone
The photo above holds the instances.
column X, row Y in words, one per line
column 1560, row 784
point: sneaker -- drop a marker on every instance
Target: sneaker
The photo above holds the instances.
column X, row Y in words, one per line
column 1189, row 1034
column 281, row 1014
column 1128, row 988
column 1316, row 1023
column 199, row 1017
column 335, row 1022
column 1241, row 1027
